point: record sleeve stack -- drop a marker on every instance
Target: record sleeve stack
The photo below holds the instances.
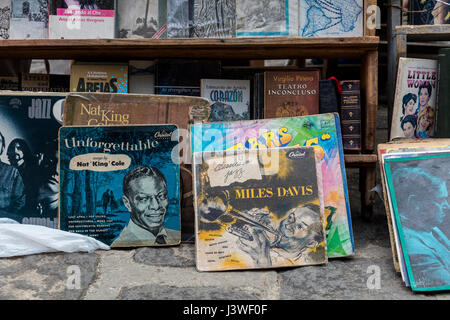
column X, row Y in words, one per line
column 415, row 178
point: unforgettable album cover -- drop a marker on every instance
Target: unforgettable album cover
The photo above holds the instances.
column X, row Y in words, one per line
column 258, row 209
column 101, row 109
column 29, row 124
column 120, row 184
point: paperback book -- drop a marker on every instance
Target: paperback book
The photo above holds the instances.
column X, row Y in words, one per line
column 142, row 19
column 91, row 77
column 338, row 18
column 443, row 95
column 182, row 76
column 141, row 77
column 29, row 124
column 291, row 93
column 34, row 82
column 229, row 99
column 322, row 131
column 213, row 19
column 44, row 82
column 5, row 16
column 328, row 96
column 414, row 111
column 256, row 18
column 119, row 184
column 29, row 19
column 9, row 83
column 258, row 209
column 88, row 19
column 178, row 20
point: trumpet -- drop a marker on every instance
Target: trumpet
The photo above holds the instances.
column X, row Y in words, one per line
column 212, row 208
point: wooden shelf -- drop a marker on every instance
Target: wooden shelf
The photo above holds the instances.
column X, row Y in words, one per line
column 233, row 48
column 360, row 160
column 424, row 33
column 363, row 48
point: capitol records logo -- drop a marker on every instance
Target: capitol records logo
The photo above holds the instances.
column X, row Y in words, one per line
column 163, row 134
column 15, row 103
column 297, row 154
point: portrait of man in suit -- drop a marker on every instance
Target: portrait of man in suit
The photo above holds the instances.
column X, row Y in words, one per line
column 146, row 198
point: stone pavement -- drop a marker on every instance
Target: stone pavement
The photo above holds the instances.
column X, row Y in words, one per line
column 169, row 273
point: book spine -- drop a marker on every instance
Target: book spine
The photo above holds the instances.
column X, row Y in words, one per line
column 350, row 113
column 5, row 16
column 328, row 98
column 259, row 106
column 442, row 103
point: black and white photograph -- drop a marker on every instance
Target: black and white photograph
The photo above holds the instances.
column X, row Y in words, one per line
column 83, row 4
column 259, row 17
column 5, row 12
column 213, row 19
column 29, row 181
column 29, row 19
column 138, row 19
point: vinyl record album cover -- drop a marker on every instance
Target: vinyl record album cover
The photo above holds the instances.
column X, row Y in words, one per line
column 258, row 209
column 120, row 184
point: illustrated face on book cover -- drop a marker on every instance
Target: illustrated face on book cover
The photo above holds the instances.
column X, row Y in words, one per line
column 415, row 96
column 408, row 125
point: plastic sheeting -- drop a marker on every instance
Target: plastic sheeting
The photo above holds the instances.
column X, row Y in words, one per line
column 22, row 239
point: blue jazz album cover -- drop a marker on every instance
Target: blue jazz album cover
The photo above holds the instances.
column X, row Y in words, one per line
column 120, row 184
column 418, row 186
column 29, row 181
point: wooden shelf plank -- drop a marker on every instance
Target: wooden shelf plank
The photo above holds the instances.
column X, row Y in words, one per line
column 425, row 33
column 360, row 160
column 233, row 48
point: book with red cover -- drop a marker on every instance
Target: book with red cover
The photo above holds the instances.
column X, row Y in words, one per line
column 291, row 93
